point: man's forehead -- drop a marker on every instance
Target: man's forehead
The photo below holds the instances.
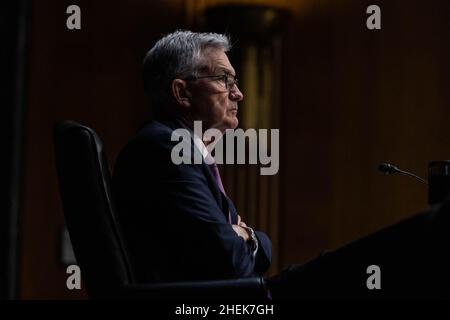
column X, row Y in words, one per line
column 224, row 69
column 217, row 60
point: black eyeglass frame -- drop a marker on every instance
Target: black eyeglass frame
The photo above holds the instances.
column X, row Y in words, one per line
column 224, row 77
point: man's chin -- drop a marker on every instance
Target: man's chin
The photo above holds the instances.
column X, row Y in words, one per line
column 234, row 122
column 230, row 123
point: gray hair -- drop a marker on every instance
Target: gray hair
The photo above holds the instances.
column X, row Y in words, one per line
column 177, row 55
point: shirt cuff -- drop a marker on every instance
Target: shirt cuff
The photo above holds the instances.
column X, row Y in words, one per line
column 253, row 241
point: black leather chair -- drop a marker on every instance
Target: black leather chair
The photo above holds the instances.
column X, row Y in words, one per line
column 100, row 251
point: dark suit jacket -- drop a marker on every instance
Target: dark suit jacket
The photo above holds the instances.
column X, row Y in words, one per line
column 174, row 217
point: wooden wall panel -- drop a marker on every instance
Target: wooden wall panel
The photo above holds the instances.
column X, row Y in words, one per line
column 354, row 98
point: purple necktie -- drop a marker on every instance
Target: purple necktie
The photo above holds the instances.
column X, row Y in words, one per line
column 216, row 175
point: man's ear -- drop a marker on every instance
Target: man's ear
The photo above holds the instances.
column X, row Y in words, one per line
column 181, row 93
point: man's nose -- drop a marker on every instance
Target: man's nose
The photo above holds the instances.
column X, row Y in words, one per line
column 236, row 94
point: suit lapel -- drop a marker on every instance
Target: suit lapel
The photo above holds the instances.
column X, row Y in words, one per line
column 232, row 208
column 225, row 203
column 222, row 200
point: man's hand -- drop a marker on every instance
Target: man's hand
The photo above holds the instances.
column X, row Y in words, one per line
column 239, row 229
column 241, row 232
column 240, row 222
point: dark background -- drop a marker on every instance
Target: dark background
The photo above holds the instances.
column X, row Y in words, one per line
column 351, row 98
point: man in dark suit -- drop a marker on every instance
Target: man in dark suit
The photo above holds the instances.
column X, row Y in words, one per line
column 177, row 220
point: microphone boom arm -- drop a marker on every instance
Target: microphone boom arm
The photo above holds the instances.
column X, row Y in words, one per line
column 412, row 175
column 388, row 168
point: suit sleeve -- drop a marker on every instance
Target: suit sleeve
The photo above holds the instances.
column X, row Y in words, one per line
column 264, row 254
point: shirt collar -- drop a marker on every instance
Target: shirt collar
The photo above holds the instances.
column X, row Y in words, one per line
column 198, row 142
column 200, row 145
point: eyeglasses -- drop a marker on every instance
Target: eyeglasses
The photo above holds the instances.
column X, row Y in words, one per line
column 228, row 80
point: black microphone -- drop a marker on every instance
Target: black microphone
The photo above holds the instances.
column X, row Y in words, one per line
column 388, row 168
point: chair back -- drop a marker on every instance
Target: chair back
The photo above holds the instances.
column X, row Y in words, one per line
column 84, row 184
